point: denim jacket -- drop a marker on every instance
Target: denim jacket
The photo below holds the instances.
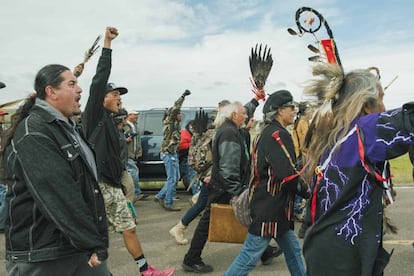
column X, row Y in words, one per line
column 55, row 206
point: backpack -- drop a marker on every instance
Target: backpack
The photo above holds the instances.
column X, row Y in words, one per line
column 200, row 157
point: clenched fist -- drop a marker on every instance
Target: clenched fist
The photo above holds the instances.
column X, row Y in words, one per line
column 111, row 33
column 186, row 93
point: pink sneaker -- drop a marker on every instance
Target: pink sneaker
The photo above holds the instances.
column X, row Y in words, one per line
column 152, row 271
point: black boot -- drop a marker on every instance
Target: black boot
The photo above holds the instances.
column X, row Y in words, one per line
column 270, row 253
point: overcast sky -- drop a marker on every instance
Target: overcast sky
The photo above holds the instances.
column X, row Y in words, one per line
column 167, row 46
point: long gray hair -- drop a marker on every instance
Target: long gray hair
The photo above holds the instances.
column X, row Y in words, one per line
column 267, row 119
column 342, row 98
column 226, row 112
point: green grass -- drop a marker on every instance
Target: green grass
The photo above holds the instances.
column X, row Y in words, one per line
column 401, row 169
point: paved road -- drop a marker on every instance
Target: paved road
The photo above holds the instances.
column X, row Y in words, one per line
column 161, row 251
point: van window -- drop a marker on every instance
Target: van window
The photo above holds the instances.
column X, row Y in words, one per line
column 150, row 126
column 153, row 124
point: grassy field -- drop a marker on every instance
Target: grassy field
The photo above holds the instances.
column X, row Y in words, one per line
column 401, row 169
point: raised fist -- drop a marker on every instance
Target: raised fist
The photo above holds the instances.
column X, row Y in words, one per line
column 186, row 93
column 111, row 33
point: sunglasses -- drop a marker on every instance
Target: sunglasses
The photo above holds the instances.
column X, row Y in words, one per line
column 290, row 104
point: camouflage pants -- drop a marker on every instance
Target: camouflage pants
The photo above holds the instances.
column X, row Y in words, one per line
column 128, row 185
column 117, row 212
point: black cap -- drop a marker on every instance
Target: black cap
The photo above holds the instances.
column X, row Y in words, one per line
column 2, row 85
column 111, row 87
column 278, row 99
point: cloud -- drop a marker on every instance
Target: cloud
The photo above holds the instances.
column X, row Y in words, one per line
column 165, row 47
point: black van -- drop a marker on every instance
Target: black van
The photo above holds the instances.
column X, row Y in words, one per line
column 151, row 167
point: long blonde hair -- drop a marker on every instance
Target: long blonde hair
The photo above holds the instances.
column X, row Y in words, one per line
column 342, row 98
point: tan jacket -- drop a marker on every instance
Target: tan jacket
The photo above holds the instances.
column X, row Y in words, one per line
column 298, row 136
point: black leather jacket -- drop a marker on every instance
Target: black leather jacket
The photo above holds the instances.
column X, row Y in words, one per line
column 99, row 127
column 55, row 206
column 230, row 159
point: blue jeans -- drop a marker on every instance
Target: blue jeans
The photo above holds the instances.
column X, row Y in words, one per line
column 253, row 248
column 172, row 169
column 191, row 174
column 187, row 172
column 134, row 172
column 298, row 208
column 3, row 206
column 183, row 161
column 197, row 208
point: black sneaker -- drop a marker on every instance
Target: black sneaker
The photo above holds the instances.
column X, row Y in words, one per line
column 197, row 268
column 270, row 253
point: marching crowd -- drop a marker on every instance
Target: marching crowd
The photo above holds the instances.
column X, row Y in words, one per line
column 330, row 172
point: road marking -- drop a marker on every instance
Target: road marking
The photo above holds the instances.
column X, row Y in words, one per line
column 403, row 187
column 410, row 242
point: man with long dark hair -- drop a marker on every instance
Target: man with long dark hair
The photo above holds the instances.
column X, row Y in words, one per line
column 56, row 222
